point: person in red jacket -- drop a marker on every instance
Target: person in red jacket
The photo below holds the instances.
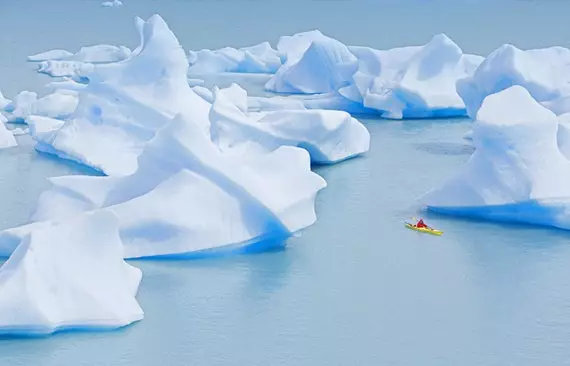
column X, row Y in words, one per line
column 421, row 224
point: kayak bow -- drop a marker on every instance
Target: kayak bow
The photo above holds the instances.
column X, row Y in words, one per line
column 427, row 230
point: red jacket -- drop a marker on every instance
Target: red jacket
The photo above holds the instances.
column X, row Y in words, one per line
column 421, row 223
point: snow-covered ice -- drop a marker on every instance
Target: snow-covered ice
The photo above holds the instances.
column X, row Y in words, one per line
column 261, row 58
column 545, row 73
column 517, row 172
column 69, row 276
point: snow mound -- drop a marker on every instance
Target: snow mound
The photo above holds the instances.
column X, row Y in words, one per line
column 545, row 73
column 261, row 58
column 70, row 276
column 517, row 172
column 125, row 103
column 329, row 136
column 324, row 66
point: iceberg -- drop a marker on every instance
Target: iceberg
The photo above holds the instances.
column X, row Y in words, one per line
column 543, row 72
column 112, row 4
column 324, row 66
column 189, row 198
column 59, row 105
column 125, row 103
column 261, row 58
column 69, row 276
column 406, row 82
column 328, row 136
column 517, row 172
column 59, row 63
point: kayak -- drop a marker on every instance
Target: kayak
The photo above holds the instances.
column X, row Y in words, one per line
column 427, row 230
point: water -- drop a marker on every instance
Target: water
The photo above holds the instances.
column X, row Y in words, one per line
column 356, row 288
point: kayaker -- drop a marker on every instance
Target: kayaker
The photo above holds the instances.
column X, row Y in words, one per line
column 421, row 224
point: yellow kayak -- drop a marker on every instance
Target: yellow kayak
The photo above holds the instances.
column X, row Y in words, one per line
column 427, row 230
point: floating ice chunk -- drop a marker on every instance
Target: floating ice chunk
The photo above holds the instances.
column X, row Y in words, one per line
column 329, row 136
column 326, row 66
column 59, row 104
column 6, row 137
column 232, row 206
column 261, row 58
column 125, row 103
column 543, row 72
column 112, row 4
column 517, row 172
column 69, row 276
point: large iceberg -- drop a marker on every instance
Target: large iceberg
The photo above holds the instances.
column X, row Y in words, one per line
column 69, row 276
column 407, row 82
column 329, row 136
column 261, row 58
column 517, row 172
column 545, row 73
column 188, row 197
column 125, row 103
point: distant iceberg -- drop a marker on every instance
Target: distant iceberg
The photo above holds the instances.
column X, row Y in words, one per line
column 261, row 58
column 59, row 105
column 58, row 63
column 517, row 172
column 69, row 276
column 545, row 73
column 112, row 4
column 314, row 64
column 407, row 82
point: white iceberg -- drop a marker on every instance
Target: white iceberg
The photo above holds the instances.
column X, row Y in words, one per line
column 69, row 276
column 407, row 82
column 112, row 4
column 59, row 104
column 517, row 172
column 545, row 73
column 261, row 58
column 329, row 136
column 59, row 63
column 189, row 198
column 324, row 66
column 125, row 103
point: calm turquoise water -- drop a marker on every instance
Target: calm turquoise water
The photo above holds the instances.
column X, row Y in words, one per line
column 356, row 288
